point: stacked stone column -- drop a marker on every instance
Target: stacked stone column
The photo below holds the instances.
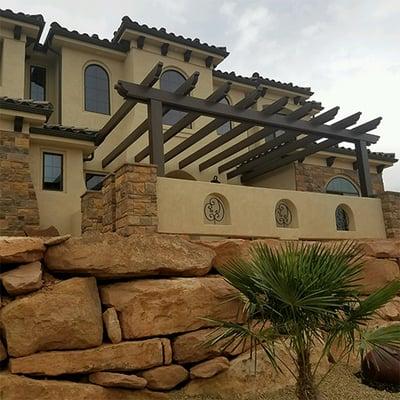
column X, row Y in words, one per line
column 92, row 211
column 391, row 213
column 108, row 192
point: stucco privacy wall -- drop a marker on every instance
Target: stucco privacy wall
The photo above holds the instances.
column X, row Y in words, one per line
column 252, row 212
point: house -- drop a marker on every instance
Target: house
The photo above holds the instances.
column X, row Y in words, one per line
column 57, row 99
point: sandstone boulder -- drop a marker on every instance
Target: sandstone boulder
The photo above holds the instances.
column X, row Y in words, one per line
column 377, row 273
column 24, row 279
column 20, row 250
column 48, row 232
column 56, row 240
column 165, row 306
column 166, row 377
column 112, row 379
column 126, row 356
column 14, row 387
column 3, row 352
column 66, row 315
column 210, row 368
column 113, row 256
column 111, row 323
column 381, row 248
column 191, row 347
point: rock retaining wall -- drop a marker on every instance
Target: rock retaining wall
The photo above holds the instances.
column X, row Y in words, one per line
column 112, row 317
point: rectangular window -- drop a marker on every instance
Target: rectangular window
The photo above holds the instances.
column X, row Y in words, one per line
column 94, row 181
column 52, row 171
column 38, row 83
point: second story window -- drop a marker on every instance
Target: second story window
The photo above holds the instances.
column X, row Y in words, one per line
column 97, row 90
column 228, row 125
column 53, row 171
column 37, row 83
column 170, row 81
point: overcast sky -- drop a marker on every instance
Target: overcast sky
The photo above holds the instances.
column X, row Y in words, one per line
column 348, row 51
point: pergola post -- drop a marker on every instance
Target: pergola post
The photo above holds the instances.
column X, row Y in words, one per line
column 364, row 174
column 156, row 140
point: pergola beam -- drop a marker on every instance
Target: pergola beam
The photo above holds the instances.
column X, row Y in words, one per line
column 151, row 78
column 243, row 104
column 215, row 97
column 182, row 90
column 230, row 135
column 192, row 104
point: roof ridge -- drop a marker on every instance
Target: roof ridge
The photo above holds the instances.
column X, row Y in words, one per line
column 38, row 18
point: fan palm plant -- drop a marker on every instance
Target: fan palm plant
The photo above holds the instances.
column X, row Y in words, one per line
column 302, row 296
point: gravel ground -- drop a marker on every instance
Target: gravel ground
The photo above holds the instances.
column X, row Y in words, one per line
column 341, row 384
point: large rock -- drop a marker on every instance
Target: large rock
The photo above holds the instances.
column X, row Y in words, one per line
column 14, row 387
column 191, row 347
column 391, row 311
column 3, row 352
column 377, row 273
column 166, row 377
column 20, row 250
column 24, row 279
column 166, row 306
column 126, row 356
column 381, row 248
column 66, row 315
column 227, row 250
column 114, row 256
column 112, row 325
column 210, row 368
column 112, row 379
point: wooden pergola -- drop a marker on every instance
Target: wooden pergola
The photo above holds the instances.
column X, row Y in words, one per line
column 299, row 139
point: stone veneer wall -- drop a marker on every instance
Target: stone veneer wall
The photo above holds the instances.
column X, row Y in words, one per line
column 314, row 178
column 136, row 305
column 129, row 202
column 391, row 213
column 18, row 204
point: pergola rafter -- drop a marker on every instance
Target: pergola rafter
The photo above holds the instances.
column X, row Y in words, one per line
column 299, row 138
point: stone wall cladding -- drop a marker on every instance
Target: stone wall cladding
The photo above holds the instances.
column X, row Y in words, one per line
column 108, row 191
column 136, row 199
column 92, row 211
column 18, row 204
column 314, row 178
column 391, row 213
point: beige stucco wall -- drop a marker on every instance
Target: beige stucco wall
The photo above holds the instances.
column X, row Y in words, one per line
column 59, row 208
column 252, row 212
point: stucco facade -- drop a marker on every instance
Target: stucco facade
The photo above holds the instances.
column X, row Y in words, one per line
column 129, row 56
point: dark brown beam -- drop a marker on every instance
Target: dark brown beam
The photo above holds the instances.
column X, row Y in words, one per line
column 17, row 32
column 348, row 121
column 367, row 126
column 355, row 166
column 330, row 161
column 140, row 42
column 150, row 79
column 164, row 49
column 209, row 61
column 155, row 113
column 300, row 112
column 246, row 102
column 219, row 110
column 215, row 97
column 233, row 133
column 182, row 90
column 364, row 174
column 286, row 137
column 380, row 168
column 18, row 124
column 187, row 55
column 289, row 159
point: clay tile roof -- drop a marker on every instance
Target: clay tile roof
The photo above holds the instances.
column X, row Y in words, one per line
column 257, row 79
column 162, row 33
column 70, row 132
column 57, row 29
column 26, row 105
column 373, row 155
column 29, row 19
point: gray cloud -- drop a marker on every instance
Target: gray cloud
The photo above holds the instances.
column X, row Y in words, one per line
column 346, row 50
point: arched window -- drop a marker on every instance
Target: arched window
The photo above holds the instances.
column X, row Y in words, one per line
column 170, row 81
column 342, row 219
column 342, row 186
column 97, row 89
column 228, row 125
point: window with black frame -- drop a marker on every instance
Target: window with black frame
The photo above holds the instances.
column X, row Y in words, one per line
column 53, row 171
column 342, row 186
column 37, row 83
column 94, row 181
column 97, row 90
column 170, row 80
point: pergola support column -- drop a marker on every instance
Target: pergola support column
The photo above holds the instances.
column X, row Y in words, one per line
column 363, row 169
column 156, row 139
